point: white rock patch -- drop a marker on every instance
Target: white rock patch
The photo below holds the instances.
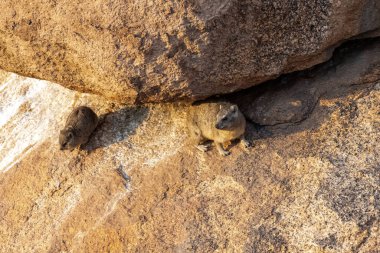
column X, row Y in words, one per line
column 28, row 115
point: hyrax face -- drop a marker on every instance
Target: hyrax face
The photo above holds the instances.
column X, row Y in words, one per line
column 227, row 117
column 66, row 139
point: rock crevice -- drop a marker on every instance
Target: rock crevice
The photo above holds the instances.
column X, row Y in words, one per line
column 311, row 185
column 146, row 51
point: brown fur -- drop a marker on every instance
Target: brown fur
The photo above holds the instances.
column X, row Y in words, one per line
column 81, row 122
column 205, row 118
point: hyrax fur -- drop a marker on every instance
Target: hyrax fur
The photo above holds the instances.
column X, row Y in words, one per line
column 81, row 122
column 218, row 121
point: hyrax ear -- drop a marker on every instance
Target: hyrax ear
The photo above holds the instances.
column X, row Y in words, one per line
column 234, row 108
column 70, row 135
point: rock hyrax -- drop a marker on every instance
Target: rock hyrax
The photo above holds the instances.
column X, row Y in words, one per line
column 81, row 122
column 218, row 121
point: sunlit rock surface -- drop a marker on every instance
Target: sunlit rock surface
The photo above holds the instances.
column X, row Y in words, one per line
column 310, row 187
column 151, row 51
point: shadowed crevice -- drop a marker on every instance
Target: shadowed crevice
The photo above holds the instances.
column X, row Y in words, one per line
column 116, row 127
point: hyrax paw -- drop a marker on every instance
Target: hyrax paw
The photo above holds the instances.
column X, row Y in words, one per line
column 224, row 153
column 203, row 147
column 246, row 144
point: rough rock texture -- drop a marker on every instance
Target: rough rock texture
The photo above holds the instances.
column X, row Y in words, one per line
column 291, row 98
column 313, row 186
column 139, row 51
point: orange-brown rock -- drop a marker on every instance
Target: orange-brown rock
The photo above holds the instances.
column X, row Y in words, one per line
column 291, row 98
column 147, row 51
column 313, row 186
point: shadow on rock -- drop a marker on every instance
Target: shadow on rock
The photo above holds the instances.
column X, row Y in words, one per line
column 116, row 126
column 279, row 106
